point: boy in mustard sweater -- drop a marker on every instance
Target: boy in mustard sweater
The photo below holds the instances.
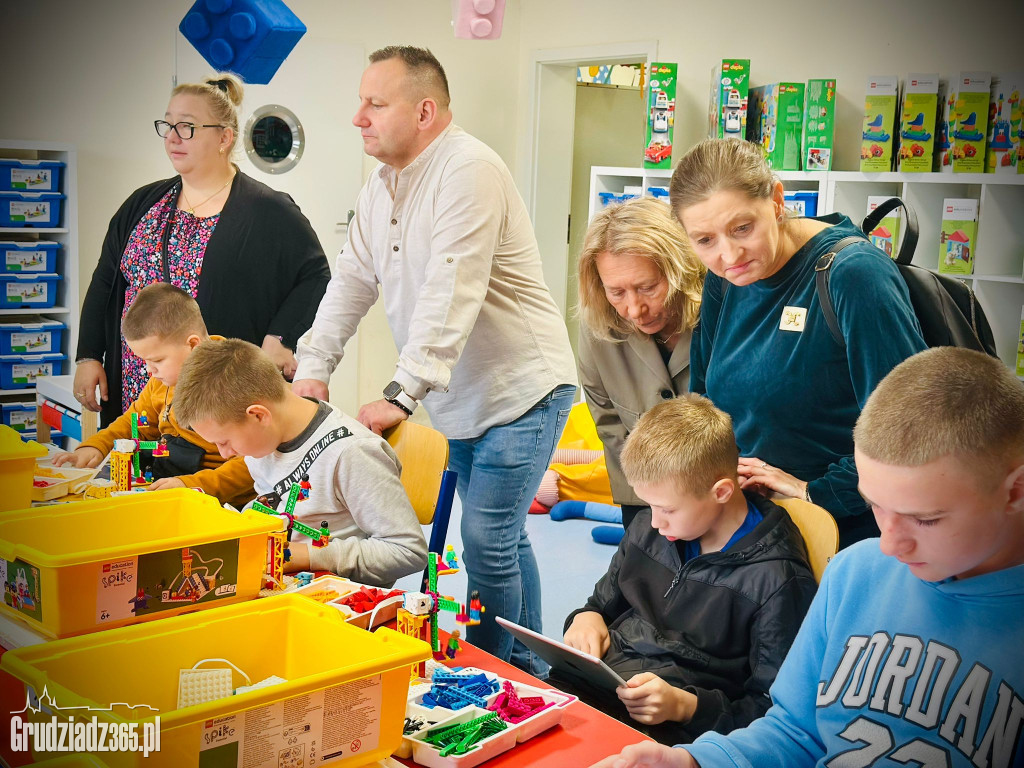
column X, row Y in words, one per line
column 163, row 326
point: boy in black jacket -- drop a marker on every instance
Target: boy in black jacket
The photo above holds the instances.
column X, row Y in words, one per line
column 705, row 593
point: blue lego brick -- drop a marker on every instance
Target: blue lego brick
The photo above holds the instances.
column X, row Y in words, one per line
column 251, row 38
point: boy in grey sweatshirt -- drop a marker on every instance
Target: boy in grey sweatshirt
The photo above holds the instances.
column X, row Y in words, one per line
column 234, row 397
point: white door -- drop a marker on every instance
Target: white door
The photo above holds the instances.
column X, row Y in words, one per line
column 319, row 83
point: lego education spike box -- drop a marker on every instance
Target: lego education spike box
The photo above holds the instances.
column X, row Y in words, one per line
column 727, row 108
column 775, row 122
column 918, row 120
column 819, row 124
column 1002, row 154
column 970, row 121
column 876, row 147
column 958, row 236
column 341, row 702
column 251, row 38
column 108, row 563
column 661, row 115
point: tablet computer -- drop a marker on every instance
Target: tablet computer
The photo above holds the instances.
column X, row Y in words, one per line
column 565, row 658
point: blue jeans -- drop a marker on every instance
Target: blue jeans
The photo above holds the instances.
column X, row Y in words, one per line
column 499, row 473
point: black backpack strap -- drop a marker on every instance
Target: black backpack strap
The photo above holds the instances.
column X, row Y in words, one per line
column 822, row 271
column 910, row 228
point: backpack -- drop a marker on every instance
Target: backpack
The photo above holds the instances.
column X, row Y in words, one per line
column 946, row 308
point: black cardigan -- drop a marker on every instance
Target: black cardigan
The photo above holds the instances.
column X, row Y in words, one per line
column 264, row 273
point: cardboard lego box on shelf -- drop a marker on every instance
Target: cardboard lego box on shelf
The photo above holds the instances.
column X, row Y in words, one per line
column 727, row 107
column 775, row 122
column 661, row 115
column 918, row 122
column 886, row 236
column 1005, row 124
column 877, row 142
column 971, row 121
column 819, row 124
column 958, row 236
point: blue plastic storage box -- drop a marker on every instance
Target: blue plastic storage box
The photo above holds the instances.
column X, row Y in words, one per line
column 55, row 436
column 30, row 175
column 28, row 256
column 659, row 193
column 22, row 371
column 20, row 417
column 802, row 203
column 30, row 209
column 31, row 337
column 28, row 290
column 609, row 198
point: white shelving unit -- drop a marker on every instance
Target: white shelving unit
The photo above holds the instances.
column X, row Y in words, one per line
column 66, row 308
column 998, row 278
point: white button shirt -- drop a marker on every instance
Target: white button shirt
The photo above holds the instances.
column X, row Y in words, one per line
column 450, row 243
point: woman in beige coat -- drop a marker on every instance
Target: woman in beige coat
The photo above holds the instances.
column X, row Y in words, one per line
column 640, row 286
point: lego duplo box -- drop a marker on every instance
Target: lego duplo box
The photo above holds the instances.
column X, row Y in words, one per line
column 876, row 147
column 958, row 236
column 819, row 124
column 661, row 115
column 1005, row 124
column 918, row 120
column 775, row 122
column 727, row 107
column 886, row 236
column 971, row 121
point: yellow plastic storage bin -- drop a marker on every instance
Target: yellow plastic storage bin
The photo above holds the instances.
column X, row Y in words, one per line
column 17, row 466
column 91, row 565
column 343, row 703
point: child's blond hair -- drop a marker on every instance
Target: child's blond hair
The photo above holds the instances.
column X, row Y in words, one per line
column 687, row 440
column 165, row 311
column 221, row 378
column 946, row 401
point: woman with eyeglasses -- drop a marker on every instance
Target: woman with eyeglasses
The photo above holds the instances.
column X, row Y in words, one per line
column 243, row 250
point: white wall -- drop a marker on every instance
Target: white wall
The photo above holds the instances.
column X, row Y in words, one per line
column 98, row 73
column 788, row 40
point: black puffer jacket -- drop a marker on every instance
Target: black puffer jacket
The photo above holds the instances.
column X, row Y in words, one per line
column 718, row 626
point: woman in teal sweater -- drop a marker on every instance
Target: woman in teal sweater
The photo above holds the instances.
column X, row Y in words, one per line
column 763, row 351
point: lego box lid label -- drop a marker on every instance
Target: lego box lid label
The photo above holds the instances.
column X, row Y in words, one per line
column 318, row 727
column 22, row 587
column 32, row 178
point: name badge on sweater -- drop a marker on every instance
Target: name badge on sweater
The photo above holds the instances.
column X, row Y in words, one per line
column 793, row 319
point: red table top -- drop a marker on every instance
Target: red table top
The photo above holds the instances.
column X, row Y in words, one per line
column 584, row 736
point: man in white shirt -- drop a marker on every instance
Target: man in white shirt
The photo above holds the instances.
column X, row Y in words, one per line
column 442, row 229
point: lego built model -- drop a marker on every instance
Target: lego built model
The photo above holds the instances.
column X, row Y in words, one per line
column 418, row 615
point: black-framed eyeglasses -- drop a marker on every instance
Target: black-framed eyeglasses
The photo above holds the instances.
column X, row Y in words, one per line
column 184, row 130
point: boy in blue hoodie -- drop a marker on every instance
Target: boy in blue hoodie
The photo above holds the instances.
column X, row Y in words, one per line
column 911, row 652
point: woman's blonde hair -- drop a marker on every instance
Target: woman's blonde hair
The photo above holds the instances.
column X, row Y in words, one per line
column 720, row 164
column 223, row 93
column 644, row 227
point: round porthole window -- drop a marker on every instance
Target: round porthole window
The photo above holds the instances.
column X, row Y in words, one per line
column 274, row 139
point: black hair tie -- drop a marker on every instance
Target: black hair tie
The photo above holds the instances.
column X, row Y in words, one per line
column 219, row 84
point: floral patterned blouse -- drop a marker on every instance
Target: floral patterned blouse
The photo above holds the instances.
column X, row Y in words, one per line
column 142, row 264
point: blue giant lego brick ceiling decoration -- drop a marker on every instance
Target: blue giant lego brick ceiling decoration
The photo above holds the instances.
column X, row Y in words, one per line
column 251, row 38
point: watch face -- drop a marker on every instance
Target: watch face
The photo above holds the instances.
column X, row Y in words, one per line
column 392, row 390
